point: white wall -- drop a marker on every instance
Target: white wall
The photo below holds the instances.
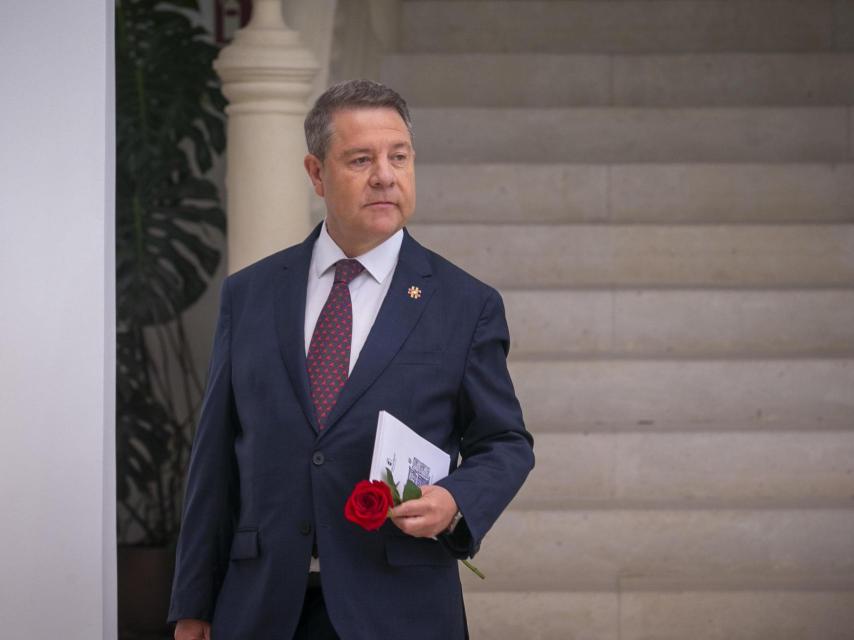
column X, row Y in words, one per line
column 57, row 496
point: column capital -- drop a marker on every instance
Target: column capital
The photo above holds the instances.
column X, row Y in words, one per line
column 266, row 69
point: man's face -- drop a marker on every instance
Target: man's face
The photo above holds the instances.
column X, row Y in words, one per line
column 367, row 178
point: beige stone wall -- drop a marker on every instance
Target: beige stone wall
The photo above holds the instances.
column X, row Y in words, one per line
column 662, row 191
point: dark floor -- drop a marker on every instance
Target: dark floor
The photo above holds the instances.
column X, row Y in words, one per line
column 130, row 635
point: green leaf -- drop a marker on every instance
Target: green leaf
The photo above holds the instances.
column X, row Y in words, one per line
column 169, row 233
column 411, row 491
column 168, row 120
column 389, row 480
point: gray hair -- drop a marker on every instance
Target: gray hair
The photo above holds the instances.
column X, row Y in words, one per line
column 351, row 94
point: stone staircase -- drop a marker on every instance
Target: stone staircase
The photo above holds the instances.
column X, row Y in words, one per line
column 663, row 191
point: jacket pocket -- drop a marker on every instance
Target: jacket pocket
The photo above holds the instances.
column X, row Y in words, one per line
column 409, row 552
column 244, row 545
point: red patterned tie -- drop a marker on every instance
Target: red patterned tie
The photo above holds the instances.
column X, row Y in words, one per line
column 328, row 358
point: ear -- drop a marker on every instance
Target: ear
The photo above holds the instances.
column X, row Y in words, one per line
column 313, row 166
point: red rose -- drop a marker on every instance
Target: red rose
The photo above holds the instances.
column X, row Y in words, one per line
column 368, row 505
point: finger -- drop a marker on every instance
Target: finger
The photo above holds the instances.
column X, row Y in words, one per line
column 407, row 521
column 410, row 508
column 420, row 526
column 413, row 530
column 192, row 630
column 409, row 525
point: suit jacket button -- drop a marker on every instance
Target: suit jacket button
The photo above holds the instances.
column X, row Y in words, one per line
column 317, row 458
column 305, row 527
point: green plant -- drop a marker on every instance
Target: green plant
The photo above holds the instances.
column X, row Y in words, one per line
column 169, row 227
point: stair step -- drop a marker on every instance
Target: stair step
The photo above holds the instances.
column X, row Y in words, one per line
column 679, row 323
column 635, row 193
column 542, row 256
column 542, row 615
column 633, row 134
column 685, row 395
column 587, row 550
column 624, row 27
column 795, row 613
column 583, row 80
column 693, row 470
column 665, row 196
column 806, row 615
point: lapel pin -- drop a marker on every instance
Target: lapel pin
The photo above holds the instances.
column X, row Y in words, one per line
column 414, row 293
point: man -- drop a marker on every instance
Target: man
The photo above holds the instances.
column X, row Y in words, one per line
column 311, row 343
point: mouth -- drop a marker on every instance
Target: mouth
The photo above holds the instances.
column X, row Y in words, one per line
column 381, row 203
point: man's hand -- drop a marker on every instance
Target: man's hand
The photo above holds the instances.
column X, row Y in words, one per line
column 192, row 630
column 427, row 516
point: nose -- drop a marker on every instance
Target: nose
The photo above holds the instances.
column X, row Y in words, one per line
column 383, row 174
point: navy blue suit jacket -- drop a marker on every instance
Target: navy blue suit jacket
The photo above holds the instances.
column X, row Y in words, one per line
column 264, row 481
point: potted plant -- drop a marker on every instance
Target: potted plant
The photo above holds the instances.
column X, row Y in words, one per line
column 169, row 230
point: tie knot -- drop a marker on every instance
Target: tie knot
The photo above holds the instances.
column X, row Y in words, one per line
column 346, row 270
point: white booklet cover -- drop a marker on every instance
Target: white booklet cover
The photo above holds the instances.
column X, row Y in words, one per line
column 408, row 455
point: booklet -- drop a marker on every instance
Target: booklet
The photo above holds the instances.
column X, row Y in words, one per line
column 408, row 455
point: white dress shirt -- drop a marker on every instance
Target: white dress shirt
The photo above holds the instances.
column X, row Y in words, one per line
column 367, row 291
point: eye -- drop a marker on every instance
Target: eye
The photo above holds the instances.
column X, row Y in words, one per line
column 400, row 157
column 360, row 161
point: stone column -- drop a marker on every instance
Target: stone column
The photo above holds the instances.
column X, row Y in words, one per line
column 267, row 76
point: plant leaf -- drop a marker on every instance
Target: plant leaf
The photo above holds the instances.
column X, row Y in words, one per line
column 170, row 228
column 389, row 480
column 411, row 491
column 168, row 120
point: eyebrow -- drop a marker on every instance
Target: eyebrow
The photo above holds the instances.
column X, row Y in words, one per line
column 358, row 150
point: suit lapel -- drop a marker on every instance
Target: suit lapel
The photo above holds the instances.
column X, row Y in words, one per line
column 397, row 317
column 290, row 320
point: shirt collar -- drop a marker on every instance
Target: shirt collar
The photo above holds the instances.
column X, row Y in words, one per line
column 379, row 261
